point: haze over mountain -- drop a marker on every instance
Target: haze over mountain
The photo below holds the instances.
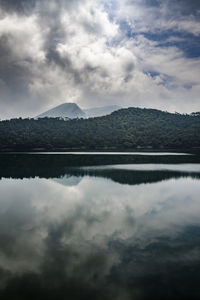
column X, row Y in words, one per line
column 101, row 111
column 65, row 110
column 72, row 110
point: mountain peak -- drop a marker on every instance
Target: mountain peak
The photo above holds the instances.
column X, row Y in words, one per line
column 72, row 110
column 65, row 110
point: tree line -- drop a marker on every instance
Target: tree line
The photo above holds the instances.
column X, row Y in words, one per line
column 123, row 129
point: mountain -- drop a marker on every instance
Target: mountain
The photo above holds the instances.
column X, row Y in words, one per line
column 100, row 111
column 65, row 110
column 123, row 129
column 72, row 111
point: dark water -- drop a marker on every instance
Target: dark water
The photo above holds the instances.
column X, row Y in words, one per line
column 99, row 226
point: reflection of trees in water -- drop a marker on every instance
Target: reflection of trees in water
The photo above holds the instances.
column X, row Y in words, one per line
column 56, row 166
column 68, row 177
column 133, row 177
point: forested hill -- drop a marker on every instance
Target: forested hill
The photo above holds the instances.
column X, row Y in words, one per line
column 123, row 129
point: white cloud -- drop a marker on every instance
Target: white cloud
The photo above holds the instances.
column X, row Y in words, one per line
column 24, row 36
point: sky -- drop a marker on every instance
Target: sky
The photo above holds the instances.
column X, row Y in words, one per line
column 141, row 53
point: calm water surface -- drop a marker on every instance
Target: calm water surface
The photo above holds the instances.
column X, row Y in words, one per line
column 110, row 153
column 75, row 228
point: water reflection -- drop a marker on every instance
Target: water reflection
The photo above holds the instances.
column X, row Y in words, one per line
column 48, row 166
column 147, row 153
column 187, row 168
column 87, row 236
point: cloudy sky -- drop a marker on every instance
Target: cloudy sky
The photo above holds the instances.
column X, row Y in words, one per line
column 142, row 53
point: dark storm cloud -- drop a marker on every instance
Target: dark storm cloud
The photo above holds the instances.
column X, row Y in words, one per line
column 24, row 6
column 17, row 6
column 14, row 74
column 15, row 77
column 51, row 19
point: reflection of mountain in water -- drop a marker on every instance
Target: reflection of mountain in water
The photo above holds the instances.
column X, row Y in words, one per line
column 73, row 176
column 64, row 166
column 133, row 177
column 68, row 180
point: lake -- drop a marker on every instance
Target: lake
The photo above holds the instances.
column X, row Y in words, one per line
column 99, row 226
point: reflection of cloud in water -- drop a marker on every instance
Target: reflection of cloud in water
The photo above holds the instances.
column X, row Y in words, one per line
column 68, row 180
column 99, row 237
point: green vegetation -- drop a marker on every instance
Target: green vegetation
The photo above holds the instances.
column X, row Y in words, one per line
column 123, row 129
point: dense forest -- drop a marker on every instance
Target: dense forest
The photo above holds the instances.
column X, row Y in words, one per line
column 123, row 129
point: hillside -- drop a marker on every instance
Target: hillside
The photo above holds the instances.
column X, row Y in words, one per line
column 123, row 129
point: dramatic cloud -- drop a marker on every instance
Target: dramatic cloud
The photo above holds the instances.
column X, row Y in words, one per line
column 132, row 53
column 97, row 243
